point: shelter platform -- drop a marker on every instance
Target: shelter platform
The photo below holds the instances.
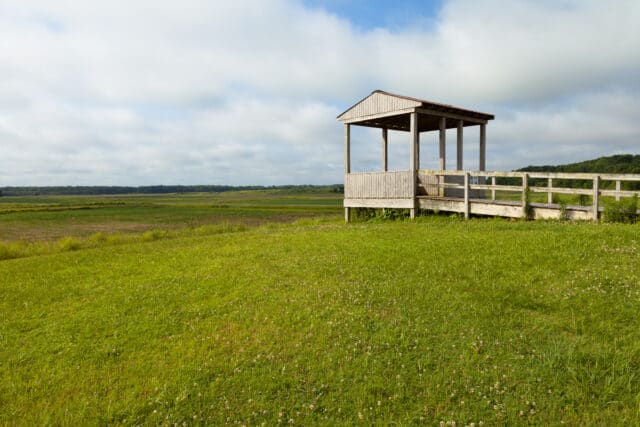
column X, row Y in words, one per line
column 536, row 195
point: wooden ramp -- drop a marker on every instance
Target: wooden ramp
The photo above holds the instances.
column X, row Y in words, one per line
column 504, row 208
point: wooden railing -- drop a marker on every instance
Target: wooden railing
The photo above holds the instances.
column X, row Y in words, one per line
column 379, row 185
column 510, row 194
column 486, row 182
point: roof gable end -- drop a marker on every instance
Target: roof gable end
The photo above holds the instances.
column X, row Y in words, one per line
column 379, row 102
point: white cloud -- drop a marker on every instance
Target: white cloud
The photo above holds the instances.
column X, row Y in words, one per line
column 527, row 51
column 588, row 126
column 244, row 92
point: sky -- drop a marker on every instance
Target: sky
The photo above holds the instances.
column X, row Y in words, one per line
column 246, row 92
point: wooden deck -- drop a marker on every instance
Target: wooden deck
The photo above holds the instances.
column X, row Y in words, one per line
column 505, row 194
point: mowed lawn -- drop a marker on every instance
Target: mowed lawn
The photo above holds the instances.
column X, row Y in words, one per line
column 483, row 322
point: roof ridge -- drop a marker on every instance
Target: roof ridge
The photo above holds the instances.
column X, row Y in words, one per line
column 421, row 101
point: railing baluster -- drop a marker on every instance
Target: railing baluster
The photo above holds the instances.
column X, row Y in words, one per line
column 596, row 196
column 466, row 195
column 525, row 184
column 493, row 190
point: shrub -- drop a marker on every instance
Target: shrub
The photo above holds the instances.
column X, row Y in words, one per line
column 98, row 237
column 393, row 214
column 69, row 244
column 151, row 235
column 11, row 250
column 115, row 239
column 564, row 214
column 239, row 227
column 363, row 214
column 528, row 209
column 624, row 210
column 202, row 230
column 369, row 214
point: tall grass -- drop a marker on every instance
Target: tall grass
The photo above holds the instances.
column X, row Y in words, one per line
column 19, row 249
column 624, row 210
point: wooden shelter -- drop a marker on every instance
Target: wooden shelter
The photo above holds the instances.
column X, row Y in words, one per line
column 387, row 111
column 459, row 190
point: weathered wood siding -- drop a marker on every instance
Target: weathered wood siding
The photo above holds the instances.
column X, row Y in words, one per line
column 428, row 184
column 377, row 103
column 378, row 185
column 404, row 203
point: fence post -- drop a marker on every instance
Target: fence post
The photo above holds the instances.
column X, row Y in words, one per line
column 415, row 140
column 596, row 196
column 549, row 192
column 618, row 186
column 466, row 195
column 525, row 186
column 493, row 190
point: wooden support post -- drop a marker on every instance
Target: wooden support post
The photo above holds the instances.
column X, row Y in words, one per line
column 418, row 152
column 347, row 148
column 443, row 143
column 483, row 147
column 466, row 195
column 549, row 190
column 618, row 187
column 385, row 148
column 493, row 190
column 415, row 137
column 525, row 188
column 347, row 162
column 596, row 197
column 459, row 145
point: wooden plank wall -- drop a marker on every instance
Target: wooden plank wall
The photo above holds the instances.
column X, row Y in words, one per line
column 378, row 185
column 428, row 184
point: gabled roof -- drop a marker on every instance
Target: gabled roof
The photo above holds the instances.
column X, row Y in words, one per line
column 380, row 103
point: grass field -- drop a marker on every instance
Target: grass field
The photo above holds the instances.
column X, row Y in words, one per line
column 436, row 321
column 54, row 217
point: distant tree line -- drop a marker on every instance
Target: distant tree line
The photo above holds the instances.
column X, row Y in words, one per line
column 159, row 189
column 620, row 163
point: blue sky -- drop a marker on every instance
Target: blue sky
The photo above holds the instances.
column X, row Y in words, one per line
column 392, row 15
column 247, row 92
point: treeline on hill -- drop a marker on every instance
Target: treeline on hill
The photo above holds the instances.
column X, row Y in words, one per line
column 160, row 189
column 620, row 163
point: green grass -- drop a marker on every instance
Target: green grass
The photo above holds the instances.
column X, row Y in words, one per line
column 437, row 320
